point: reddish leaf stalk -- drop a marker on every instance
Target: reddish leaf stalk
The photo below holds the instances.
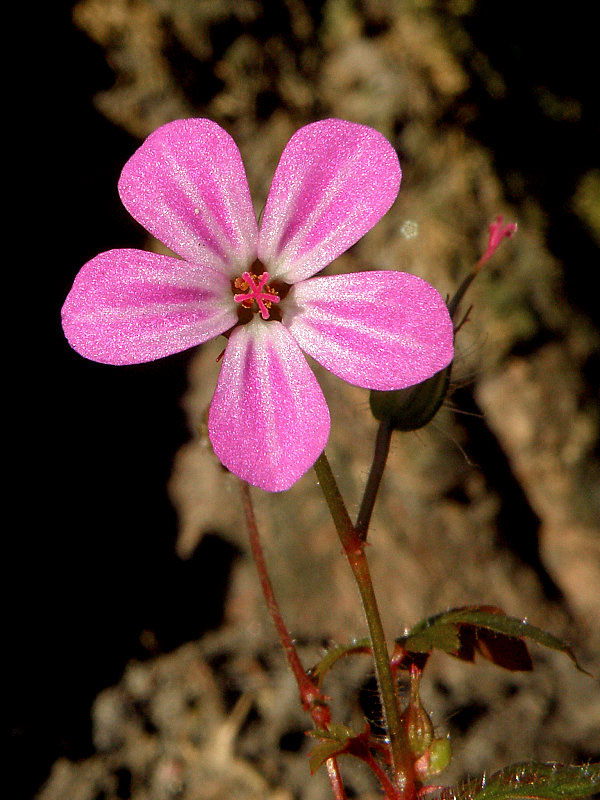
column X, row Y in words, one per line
column 313, row 701
column 390, row 790
column 335, row 779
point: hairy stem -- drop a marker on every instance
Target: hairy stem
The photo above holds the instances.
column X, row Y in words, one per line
column 354, row 549
column 382, row 449
column 311, row 697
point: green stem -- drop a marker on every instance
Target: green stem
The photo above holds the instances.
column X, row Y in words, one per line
column 354, row 549
column 382, row 449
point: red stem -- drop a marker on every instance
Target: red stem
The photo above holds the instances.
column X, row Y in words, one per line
column 335, row 779
column 391, row 792
column 311, row 697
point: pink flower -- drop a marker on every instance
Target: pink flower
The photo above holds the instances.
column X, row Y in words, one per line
column 186, row 185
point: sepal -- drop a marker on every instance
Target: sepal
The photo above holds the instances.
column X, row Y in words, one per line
column 412, row 408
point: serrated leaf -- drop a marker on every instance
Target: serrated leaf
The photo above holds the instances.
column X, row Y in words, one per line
column 540, row 782
column 323, row 751
column 334, row 654
column 332, row 742
column 338, row 740
column 484, row 629
column 336, row 732
column 437, row 637
column 529, row 781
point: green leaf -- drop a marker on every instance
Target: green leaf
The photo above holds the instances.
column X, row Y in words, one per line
column 332, row 742
column 338, row 740
column 334, row 654
column 531, row 782
column 323, row 751
column 486, row 630
column 438, row 635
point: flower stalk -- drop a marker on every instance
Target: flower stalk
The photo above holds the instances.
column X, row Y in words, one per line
column 353, row 546
column 382, row 449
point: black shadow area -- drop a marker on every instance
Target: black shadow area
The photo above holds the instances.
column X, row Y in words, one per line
column 92, row 573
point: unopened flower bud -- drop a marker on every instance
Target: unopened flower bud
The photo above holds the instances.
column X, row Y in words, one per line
column 498, row 231
column 440, row 754
column 416, row 721
column 434, row 760
column 412, row 408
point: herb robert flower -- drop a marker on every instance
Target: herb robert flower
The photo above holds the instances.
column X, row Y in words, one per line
column 186, row 184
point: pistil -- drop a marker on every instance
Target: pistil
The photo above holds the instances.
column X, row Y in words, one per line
column 254, row 288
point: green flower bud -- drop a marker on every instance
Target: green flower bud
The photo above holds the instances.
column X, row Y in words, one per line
column 440, row 754
column 434, row 760
column 416, row 721
column 412, row 408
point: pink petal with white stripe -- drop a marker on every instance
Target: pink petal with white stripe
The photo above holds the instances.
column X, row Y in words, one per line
column 187, row 185
column 130, row 306
column 334, row 182
column 268, row 422
column 380, row 330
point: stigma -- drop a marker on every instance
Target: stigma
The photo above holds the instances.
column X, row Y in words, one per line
column 252, row 289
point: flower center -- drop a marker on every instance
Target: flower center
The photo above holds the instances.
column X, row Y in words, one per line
column 251, row 288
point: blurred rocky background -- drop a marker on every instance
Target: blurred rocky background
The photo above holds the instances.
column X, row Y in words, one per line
column 143, row 664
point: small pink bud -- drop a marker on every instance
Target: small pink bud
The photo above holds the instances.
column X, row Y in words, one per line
column 498, row 231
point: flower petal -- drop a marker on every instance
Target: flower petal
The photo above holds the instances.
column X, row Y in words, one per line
column 187, row 185
column 380, row 330
column 268, row 422
column 334, row 182
column 129, row 306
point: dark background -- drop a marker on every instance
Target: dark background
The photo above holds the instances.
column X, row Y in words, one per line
column 93, row 579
